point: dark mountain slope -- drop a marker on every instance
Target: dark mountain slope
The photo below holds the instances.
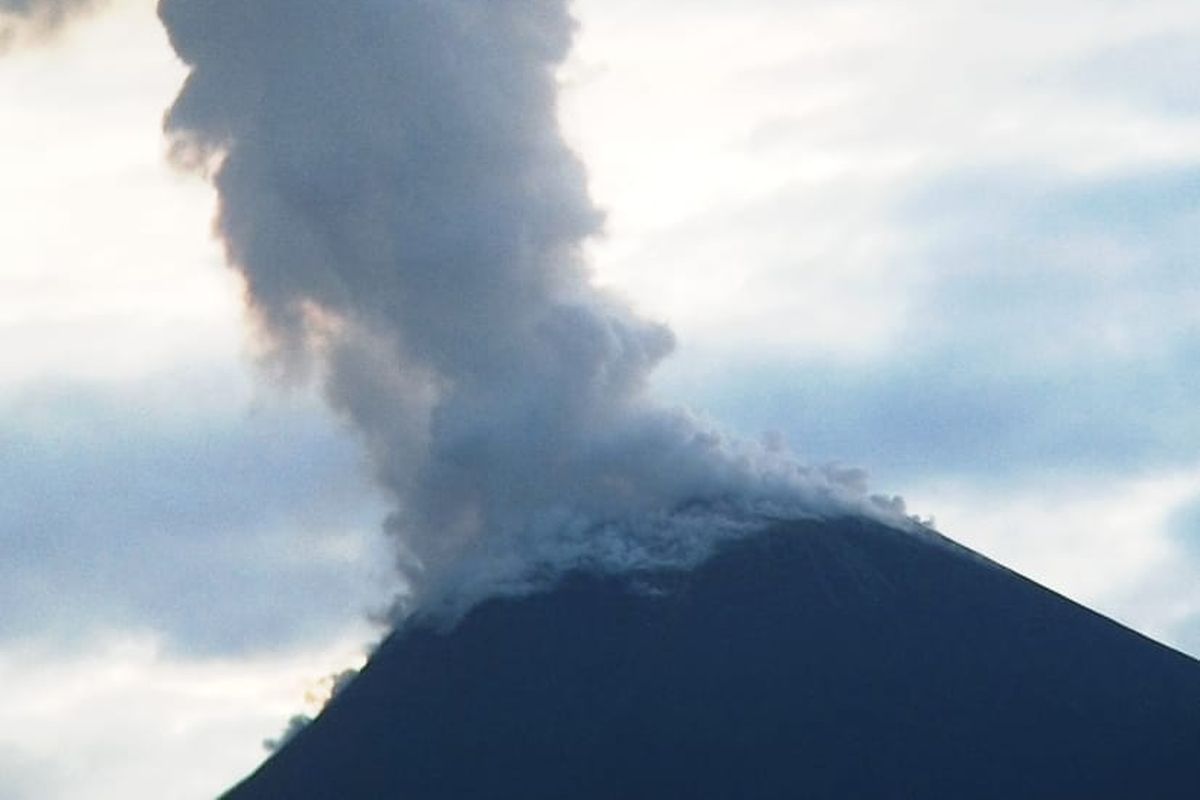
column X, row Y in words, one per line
column 818, row 660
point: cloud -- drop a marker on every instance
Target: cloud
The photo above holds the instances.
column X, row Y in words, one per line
column 409, row 221
column 1055, row 268
column 50, row 9
column 754, row 207
column 1045, row 324
column 73, row 716
column 1149, row 73
column 27, row 777
column 37, row 18
column 221, row 530
column 1185, row 527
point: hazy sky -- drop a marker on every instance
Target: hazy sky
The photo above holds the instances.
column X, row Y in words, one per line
column 951, row 243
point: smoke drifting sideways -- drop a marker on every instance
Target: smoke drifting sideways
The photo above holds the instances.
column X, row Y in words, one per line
column 395, row 189
column 37, row 19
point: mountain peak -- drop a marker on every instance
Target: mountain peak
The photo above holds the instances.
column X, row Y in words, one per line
column 817, row 659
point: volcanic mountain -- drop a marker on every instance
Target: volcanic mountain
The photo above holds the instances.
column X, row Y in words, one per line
column 818, row 659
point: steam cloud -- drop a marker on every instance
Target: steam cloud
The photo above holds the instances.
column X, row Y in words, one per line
column 396, row 192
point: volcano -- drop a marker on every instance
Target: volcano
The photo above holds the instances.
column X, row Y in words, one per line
column 817, row 659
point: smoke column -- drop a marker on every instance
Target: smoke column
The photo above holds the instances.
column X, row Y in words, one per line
column 396, row 192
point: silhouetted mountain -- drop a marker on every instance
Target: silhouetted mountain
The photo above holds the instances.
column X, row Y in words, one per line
column 818, row 660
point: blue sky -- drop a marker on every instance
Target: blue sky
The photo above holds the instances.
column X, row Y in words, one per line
column 953, row 244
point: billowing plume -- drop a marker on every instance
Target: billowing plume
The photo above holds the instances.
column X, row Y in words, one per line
column 396, row 192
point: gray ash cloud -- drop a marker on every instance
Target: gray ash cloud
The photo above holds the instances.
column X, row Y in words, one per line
column 409, row 222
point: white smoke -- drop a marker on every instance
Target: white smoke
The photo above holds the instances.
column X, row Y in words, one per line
column 396, row 192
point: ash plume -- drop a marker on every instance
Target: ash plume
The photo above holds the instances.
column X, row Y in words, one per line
column 409, row 222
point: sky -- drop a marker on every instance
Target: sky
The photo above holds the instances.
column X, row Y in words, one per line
column 951, row 244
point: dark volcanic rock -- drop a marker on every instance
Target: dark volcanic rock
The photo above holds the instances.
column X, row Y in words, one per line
column 819, row 660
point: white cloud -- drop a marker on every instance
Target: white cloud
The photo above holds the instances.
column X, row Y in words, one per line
column 172, row 589
column 108, row 270
column 749, row 154
column 123, row 719
column 176, row 505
